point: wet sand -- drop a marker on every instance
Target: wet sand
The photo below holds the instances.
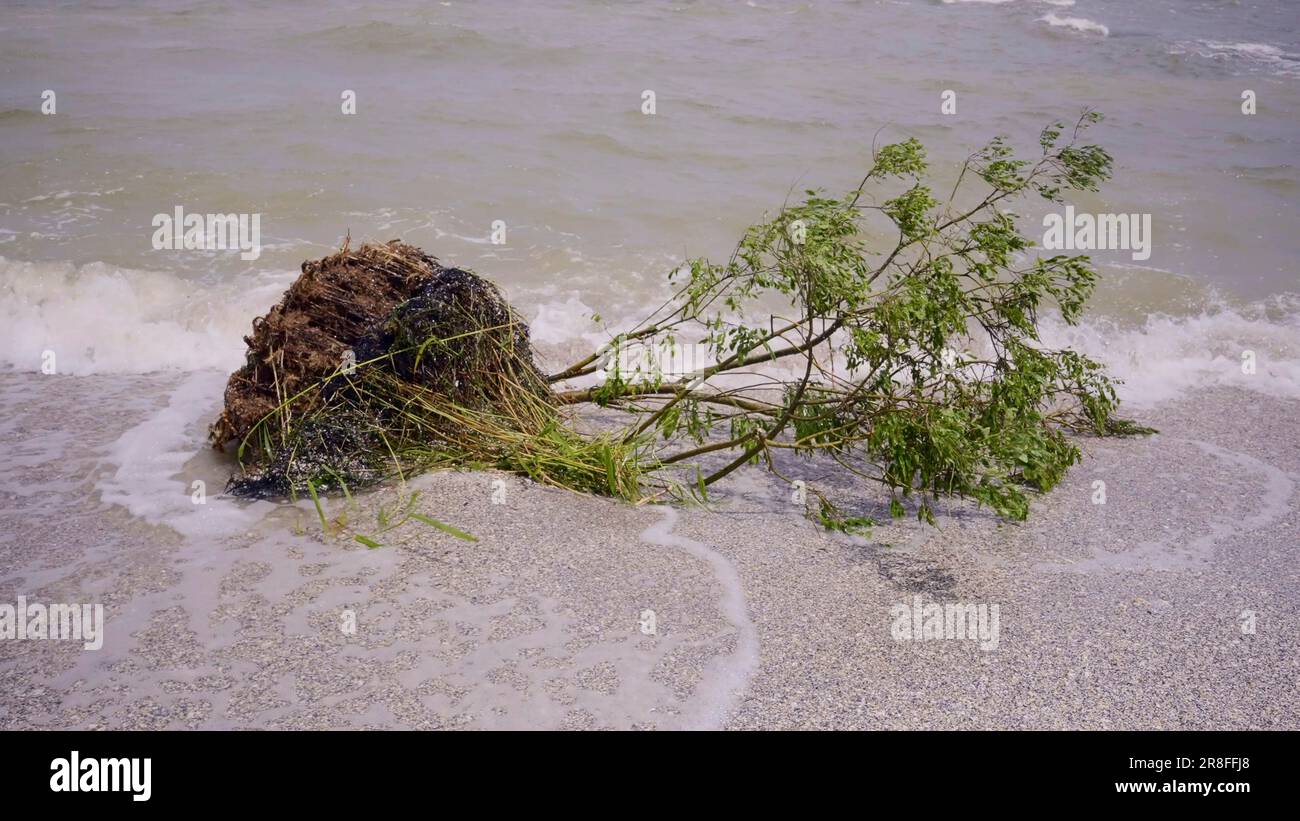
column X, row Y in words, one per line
column 573, row 612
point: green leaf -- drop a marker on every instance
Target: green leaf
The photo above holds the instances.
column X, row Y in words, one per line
column 445, row 528
column 320, row 511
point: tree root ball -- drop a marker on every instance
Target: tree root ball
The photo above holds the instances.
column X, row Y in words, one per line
column 330, row 366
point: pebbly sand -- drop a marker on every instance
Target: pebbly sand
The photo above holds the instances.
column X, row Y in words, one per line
column 575, row 612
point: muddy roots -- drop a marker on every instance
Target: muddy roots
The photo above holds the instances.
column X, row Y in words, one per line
column 304, row 338
column 379, row 362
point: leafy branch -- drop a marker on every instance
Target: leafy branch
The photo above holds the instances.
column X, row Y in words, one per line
column 819, row 346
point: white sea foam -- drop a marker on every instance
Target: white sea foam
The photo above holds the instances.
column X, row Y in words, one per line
column 728, row 676
column 1081, row 24
column 149, row 461
column 562, row 322
column 1258, row 51
column 1169, row 357
column 100, row 318
column 1256, row 55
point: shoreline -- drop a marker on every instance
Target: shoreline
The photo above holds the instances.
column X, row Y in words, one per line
column 1122, row 615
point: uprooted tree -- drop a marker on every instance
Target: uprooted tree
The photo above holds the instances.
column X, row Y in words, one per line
column 919, row 366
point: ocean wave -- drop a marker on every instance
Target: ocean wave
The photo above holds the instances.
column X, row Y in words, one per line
column 1167, row 357
column 1259, row 56
column 100, row 318
column 560, row 323
column 1081, row 24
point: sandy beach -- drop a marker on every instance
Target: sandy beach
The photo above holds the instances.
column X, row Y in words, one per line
column 918, row 234
column 1128, row 614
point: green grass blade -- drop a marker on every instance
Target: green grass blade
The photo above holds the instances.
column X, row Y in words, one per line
column 320, row 511
column 445, row 528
